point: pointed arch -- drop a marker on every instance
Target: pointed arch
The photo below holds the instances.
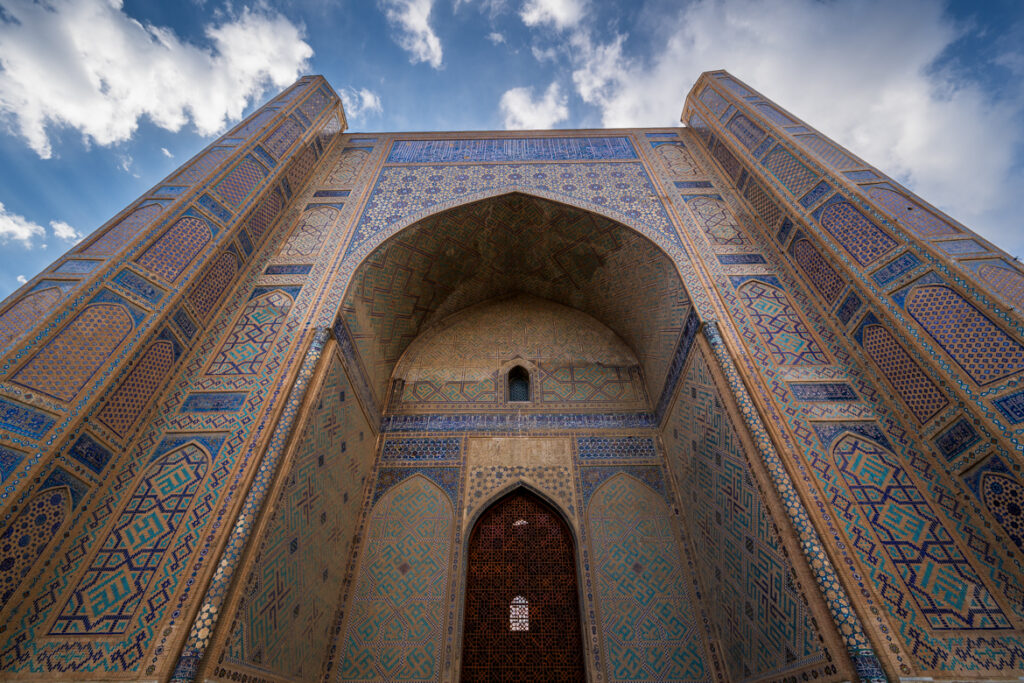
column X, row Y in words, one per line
column 521, row 608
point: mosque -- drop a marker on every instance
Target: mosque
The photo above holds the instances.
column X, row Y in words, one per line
column 720, row 402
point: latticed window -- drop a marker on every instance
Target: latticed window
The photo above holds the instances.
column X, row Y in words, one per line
column 518, row 384
column 522, row 619
column 519, row 614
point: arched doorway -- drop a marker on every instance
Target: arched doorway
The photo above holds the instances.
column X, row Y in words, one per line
column 521, row 615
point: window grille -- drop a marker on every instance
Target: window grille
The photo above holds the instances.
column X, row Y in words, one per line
column 518, row 384
column 521, row 610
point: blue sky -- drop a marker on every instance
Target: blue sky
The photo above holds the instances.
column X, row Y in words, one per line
column 100, row 99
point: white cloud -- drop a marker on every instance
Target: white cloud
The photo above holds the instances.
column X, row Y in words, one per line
column 412, row 19
column 87, row 66
column 560, row 14
column 544, row 54
column 21, row 279
column 166, row 152
column 63, row 231
column 948, row 139
column 18, row 228
column 496, row 38
column 522, row 111
column 360, row 102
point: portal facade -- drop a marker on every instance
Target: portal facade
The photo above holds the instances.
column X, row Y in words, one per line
column 756, row 405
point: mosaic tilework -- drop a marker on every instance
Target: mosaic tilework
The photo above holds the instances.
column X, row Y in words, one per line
column 300, row 167
column 213, row 285
column 171, row 254
column 607, row 447
column 265, row 214
column 24, row 421
column 817, row 269
column 714, row 101
column 140, row 287
column 511, row 150
column 69, row 360
column 646, row 615
column 757, row 608
column 214, row 402
column 90, row 452
column 957, row 247
column 911, row 383
column 829, row 153
column 241, row 181
column 202, row 166
column 894, row 270
column 28, row 310
column 910, row 213
column 793, row 175
column 122, row 232
column 281, row 624
column 283, row 137
column 308, row 235
column 715, row 219
column 349, row 164
column 248, row 344
column 24, row 540
column 746, row 131
column 865, row 241
column 9, row 461
column 763, row 204
column 956, row 439
column 846, row 310
column 819, row 192
column 135, row 547
column 622, row 189
column 395, row 615
column 314, row 104
column 1003, row 279
column 781, row 328
column 1011, row 406
column 1001, row 493
column 947, row 590
column 126, row 404
column 421, row 449
column 591, row 384
column 679, row 162
column 554, row 481
column 982, row 349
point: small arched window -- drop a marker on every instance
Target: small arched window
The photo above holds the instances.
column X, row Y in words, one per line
column 518, row 384
column 519, row 614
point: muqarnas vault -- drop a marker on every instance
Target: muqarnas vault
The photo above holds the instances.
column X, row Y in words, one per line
column 712, row 403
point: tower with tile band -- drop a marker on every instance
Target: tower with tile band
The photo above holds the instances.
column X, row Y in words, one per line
column 248, row 426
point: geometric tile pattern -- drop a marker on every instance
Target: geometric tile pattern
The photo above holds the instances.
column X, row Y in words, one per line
column 394, row 618
column 895, row 269
column 28, row 534
column 713, row 101
column 779, row 324
column 511, row 149
column 793, row 175
column 827, row 152
column 119, row 234
column 213, row 284
column 762, row 202
column 111, row 590
column 984, row 351
column 307, row 237
column 604, row 447
column 746, row 131
column 1003, row 279
column 421, row 449
column 138, row 388
column 946, row 588
column 714, row 218
column 679, row 162
column 69, row 360
column 590, row 383
column 649, row 624
column 915, row 387
column 763, row 621
column 241, row 180
column 248, row 344
column 264, row 215
column 283, row 137
column 911, row 214
column 172, row 253
column 314, row 104
column 27, row 311
column 820, row 272
column 201, row 166
column 865, row 241
column 1001, row 493
column 623, row 188
column 281, row 624
column 348, row 167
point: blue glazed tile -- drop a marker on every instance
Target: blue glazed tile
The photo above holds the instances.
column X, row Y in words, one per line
column 511, row 149
column 212, row 402
column 822, row 391
column 1011, row 406
column 740, row 259
column 139, row 286
column 23, row 420
column 957, row 439
column 90, row 453
column 892, row 271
